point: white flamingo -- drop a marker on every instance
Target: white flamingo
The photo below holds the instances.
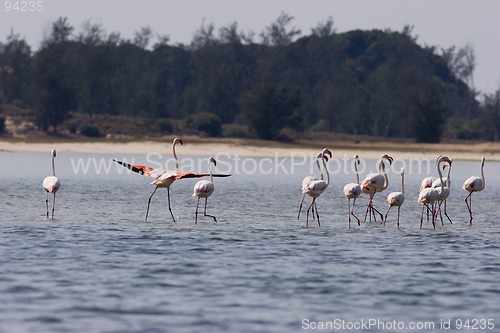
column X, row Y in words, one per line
column 314, row 188
column 309, row 179
column 204, row 189
column 352, row 191
column 51, row 184
column 443, row 196
column 428, row 196
column 396, row 198
column 164, row 178
column 474, row 184
column 376, row 182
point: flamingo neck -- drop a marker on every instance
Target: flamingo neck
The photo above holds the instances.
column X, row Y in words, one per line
column 53, row 167
column 403, row 183
column 326, row 171
column 440, row 176
column 448, row 181
column 175, row 157
column 319, row 168
column 381, row 168
column 356, row 169
column 482, row 173
column 210, row 170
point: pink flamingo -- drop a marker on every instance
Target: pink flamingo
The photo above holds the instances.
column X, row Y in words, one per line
column 314, row 188
column 428, row 196
column 396, row 198
column 443, row 196
column 376, row 182
column 309, row 179
column 204, row 189
column 474, row 184
column 164, row 178
column 352, row 191
column 51, row 184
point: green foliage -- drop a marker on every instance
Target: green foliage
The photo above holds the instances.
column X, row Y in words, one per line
column 269, row 110
column 364, row 82
column 205, row 122
column 90, row 130
column 236, row 131
column 2, row 125
column 164, row 125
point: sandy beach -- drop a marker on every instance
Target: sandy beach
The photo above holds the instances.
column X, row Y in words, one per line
column 256, row 148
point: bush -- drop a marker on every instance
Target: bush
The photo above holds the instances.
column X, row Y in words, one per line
column 90, row 130
column 164, row 125
column 206, row 122
column 236, row 131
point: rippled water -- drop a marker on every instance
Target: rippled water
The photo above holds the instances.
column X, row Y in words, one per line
column 98, row 267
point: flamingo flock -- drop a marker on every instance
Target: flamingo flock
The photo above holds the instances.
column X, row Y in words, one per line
column 433, row 192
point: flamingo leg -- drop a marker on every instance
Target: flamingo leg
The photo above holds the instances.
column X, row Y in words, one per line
column 368, row 207
column 434, row 215
column 379, row 213
column 349, row 211
column 205, row 211
column 352, row 212
column 47, row 204
column 308, row 210
column 469, row 206
column 385, row 218
column 169, row 208
column 53, row 206
column 149, row 202
column 300, row 208
column 422, row 215
column 317, row 214
column 446, row 213
column 399, row 209
column 438, row 205
column 196, row 212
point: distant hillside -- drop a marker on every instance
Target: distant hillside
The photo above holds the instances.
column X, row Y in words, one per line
column 376, row 83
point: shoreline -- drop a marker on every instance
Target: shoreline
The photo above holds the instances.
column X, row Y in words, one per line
column 196, row 146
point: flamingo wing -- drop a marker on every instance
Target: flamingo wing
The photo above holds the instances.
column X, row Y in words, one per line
column 140, row 169
column 472, row 184
column 203, row 188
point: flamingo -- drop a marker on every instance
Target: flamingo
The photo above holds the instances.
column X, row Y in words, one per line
column 428, row 196
column 396, row 198
column 376, row 182
column 164, row 178
column 308, row 179
column 443, row 196
column 204, row 189
column 314, row 188
column 51, row 184
column 352, row 191
column 474, row 184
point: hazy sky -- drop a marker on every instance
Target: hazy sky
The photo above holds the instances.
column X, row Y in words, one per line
column 441, row 23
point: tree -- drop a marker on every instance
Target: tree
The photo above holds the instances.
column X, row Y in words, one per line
column 324, row 29
column 427, row 111
column 270, row 109
column 278, row 33
column 15, row 69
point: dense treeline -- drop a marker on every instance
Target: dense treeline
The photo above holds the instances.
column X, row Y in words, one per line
column 376, row 82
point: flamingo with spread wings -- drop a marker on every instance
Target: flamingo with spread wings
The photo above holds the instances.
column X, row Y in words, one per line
column 165, row 178
column 51, row 184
